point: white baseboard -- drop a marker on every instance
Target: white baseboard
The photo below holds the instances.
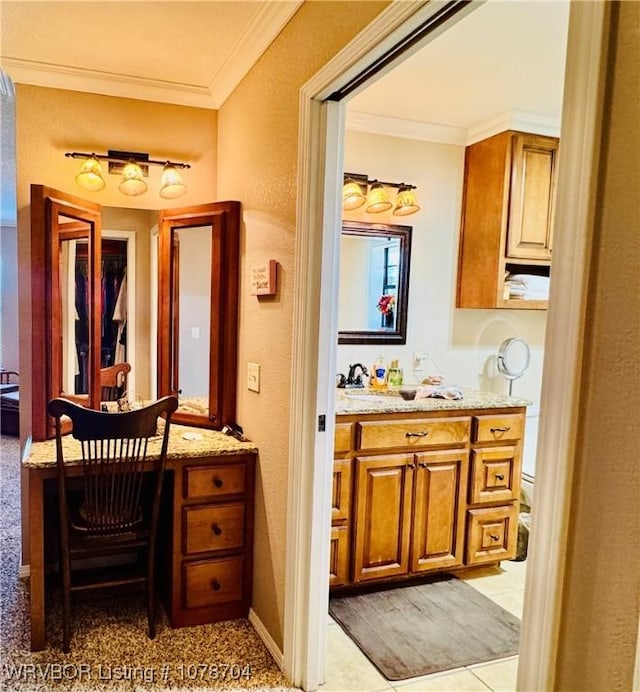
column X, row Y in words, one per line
column 24, row 571
column 266, row 638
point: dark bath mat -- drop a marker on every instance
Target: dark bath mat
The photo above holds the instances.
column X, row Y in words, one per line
column 409, row 631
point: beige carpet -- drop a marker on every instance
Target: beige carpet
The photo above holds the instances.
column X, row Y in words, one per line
column 110, row 649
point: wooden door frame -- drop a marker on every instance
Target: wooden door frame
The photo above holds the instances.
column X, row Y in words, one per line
column 314, row 348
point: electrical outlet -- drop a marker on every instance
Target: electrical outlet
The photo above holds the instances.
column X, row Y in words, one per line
column 253, row 377
column 418, row 358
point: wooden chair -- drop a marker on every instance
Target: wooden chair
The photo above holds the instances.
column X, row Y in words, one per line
column 116, row 510
column 6, row 375
column 113, row 381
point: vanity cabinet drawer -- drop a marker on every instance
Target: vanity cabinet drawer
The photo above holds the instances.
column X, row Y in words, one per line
column 342, row 437
column 214, row 481
column 215, row 527
column 504, row 428
column 413, row 433
column 212, row 582
column 495, row 475
column 492, row 534
column 341, row 491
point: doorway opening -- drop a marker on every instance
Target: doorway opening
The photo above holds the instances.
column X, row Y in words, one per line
column 322, row 120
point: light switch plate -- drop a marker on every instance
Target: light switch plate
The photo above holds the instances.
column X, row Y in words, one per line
column 253, row 377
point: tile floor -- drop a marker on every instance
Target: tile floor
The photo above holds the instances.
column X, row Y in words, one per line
column 348, row 669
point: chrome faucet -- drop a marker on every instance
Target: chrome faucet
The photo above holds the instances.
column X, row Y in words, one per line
column 354, row 380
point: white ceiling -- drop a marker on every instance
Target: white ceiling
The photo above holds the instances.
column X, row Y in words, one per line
column 500, row 66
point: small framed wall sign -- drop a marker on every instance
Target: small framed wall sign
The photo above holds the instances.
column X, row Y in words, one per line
column 263, row 278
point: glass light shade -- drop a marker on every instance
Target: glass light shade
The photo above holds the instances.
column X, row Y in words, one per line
column 352, row 196
column 405, row 202
column 377, row 200
column 171, row 184
column 132, row 180
column 90, row 175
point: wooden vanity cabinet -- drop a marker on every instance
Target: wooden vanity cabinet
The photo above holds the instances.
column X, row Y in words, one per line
column 422, row 492
column 507, row 217
column 340, row 507
column 212, row 539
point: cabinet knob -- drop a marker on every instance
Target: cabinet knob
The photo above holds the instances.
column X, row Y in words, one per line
column 216, row 529
column 495, row 537
column 215, row 585
column 423, row 464
column 217, row 482
column 500, row 476
column 417, row 434
column 504, row 428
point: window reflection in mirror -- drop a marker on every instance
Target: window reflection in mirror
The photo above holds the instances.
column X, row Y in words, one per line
column 192, row 249
column 374, row 280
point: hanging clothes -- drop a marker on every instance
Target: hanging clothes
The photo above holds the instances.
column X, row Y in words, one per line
column 120, row 317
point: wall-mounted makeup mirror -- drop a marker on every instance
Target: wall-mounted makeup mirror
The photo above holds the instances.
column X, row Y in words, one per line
column 97, row 280
column 198, row 311
column 374, row 283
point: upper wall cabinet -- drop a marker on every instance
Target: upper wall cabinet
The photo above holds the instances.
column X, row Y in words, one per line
column 507, row 221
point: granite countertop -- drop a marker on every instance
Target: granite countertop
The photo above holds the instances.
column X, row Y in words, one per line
column 207, row 442
column 356, row 401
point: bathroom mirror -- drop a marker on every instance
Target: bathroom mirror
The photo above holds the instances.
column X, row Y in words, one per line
column 374, row 283
column 198, row 311
column 98, row 304
column 513, row 359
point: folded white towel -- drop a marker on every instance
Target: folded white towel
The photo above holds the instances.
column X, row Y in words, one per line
column 439, row 392
column 531, row 281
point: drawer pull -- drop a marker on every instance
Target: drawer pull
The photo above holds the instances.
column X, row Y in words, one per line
column 215, row 585
column 218, row 482
column 411, row 466
column 216, row 529
column 500, row 476
column 495, row 537
column 417, row 434
column 504, row 428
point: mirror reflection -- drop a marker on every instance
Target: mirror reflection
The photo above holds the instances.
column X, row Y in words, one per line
column 192, row 321
column 374, row 276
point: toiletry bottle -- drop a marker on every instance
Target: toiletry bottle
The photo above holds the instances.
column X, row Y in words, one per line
column 395, row 374
column 379, row 373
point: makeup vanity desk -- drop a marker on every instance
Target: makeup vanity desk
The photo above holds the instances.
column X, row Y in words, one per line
column 206, row 527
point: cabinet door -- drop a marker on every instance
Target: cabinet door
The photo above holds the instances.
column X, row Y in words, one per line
column 532, row 198
column 341, row 491
column 339, row 556
column 384, row 488
column 439, row 510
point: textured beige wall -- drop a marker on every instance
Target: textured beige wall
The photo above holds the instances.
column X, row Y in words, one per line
column 599, row 622
column 50, row 122
column 258, row 149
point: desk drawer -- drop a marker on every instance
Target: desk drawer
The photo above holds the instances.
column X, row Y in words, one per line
column 505, row 428
column 214, row 481
column 212, row 582
column 413, row 433
column 213, row 527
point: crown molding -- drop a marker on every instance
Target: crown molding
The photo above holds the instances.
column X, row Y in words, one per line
column 266, row 25
column 106, row 83
column 402, row 127
column 514, row 120
column 447, row 134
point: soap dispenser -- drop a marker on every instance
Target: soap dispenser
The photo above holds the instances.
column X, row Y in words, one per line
column 379, row 374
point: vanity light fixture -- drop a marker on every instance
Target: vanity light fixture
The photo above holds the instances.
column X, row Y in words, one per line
column 354, row 195
column 405, row 202
column 134, row 167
